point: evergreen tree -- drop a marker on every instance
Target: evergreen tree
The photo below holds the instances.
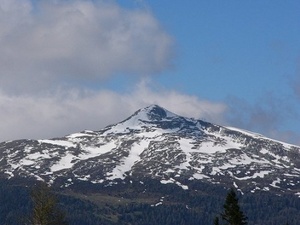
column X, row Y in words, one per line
column 216, row 221
column 45, row 210
column 232, row 213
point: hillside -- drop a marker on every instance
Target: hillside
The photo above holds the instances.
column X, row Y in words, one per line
column 158, row 162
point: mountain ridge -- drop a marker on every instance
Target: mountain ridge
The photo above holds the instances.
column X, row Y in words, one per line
column 158, row 144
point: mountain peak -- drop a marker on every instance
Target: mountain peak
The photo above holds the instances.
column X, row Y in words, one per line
column 153, row 113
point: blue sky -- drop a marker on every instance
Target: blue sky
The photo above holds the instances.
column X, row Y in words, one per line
column 73, row 65
column 231, row 48
column 243, row 50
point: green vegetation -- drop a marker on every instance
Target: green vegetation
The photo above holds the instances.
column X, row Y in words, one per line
column 45, row 209
column 232, row 214
column 147, row 204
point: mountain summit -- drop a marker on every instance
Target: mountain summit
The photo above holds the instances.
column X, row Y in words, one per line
column 153, row 113
column 157, row 144
column 150, row 114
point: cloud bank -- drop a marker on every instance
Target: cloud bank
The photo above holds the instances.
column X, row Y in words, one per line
column 52, row 42
column 72, row 111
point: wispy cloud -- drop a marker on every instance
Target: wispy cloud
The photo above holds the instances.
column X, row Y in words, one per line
column 72, row 110
column 54, row 42
column 267, row 116
column 177, row 102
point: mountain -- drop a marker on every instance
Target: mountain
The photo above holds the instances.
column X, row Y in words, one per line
column 155, row 167
column 161, row 145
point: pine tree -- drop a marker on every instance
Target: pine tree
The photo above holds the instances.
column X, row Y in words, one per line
column 216, row 221
column 45, row 210
column 232, row 213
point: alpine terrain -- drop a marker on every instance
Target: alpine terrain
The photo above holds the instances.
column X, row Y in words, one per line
column 154, row 154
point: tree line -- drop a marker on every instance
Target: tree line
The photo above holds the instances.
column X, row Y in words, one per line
column 21, row 205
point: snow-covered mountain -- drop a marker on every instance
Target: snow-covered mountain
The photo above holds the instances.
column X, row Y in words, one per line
column 155, row 143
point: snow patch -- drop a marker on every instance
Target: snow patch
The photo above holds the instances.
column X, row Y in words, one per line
column 79, row 135
column 64, row 163
column 171, row 180
column 275, row 182
column 199, row 176
column 127, row 163
column 63, row 143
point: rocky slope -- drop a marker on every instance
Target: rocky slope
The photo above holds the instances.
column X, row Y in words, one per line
column 155, row 143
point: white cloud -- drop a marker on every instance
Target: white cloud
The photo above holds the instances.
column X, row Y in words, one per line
column 57, row 43
column 179, row 103
column 53, row 42
column 72, row 111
